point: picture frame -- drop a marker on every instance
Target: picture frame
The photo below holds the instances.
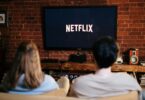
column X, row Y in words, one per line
column 3, row 18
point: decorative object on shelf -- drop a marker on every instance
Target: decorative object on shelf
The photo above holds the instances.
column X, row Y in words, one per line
column 119, row 60
column 142, row 63
column 79, row 57
column 3, row 18
column 133, row 53
column 131, row 56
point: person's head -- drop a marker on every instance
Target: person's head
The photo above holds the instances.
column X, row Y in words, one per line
column 27, row 62
column 105, row 51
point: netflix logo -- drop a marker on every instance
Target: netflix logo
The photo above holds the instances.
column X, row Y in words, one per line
column 79, row 28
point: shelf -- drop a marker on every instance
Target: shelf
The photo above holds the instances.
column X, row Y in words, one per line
column 91, row 67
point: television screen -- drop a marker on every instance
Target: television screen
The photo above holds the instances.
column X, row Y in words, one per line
column 77, row 27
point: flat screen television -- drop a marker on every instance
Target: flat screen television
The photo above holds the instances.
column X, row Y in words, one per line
column 77, row 27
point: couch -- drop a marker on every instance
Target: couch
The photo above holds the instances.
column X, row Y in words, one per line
column 61, row 94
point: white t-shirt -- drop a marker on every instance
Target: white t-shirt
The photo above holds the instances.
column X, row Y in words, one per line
column 47, row 85
column 104, row 83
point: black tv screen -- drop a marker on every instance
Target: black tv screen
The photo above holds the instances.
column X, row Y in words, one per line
column 77, row 27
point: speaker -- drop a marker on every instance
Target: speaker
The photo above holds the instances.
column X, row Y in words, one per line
column 133, row 56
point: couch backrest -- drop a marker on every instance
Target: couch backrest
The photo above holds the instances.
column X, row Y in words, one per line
column 6, row 96
column 56, row 95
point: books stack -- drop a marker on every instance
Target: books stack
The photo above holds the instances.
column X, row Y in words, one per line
column 142, row 79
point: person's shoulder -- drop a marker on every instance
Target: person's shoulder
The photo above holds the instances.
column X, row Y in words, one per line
column 49, row 80
column 83, row 78
column 124, row 76
column 48, row 77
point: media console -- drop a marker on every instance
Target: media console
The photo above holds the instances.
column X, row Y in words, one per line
column 74, row 70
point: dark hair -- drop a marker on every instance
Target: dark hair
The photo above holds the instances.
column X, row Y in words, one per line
column 105, row 51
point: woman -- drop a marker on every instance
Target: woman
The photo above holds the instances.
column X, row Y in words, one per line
column 104, row 82
column 26, row 76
